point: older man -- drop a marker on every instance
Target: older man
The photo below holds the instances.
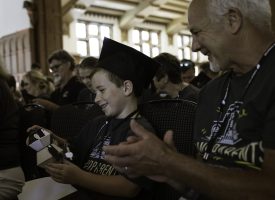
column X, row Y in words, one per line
column 235, row 121
column 62, row 65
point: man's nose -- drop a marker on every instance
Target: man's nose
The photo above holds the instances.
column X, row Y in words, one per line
column 195, row 45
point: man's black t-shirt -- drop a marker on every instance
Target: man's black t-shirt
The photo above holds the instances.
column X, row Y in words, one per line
column 69, row 93
column 246, row 125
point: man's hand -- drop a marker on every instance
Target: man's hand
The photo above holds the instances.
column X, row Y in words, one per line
column 141, row 154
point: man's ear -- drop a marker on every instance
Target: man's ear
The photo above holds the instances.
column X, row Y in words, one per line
column 128, row 87
column 234, row 20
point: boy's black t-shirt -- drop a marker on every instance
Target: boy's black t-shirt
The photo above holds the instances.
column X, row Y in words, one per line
column 88, row 153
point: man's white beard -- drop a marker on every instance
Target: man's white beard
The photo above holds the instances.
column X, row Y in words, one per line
column 56, row 80
column 214, row 66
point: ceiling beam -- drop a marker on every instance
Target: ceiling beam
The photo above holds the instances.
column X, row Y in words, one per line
column 179, row 3
column 118, row 2
column 160, row 2
column 127, row 1
column 177, row 25
column 148, row 11
column 127, row 19
column 87, row 3
column 67, row 7
column 176, row 9
column 159, row 20
column 105, row 11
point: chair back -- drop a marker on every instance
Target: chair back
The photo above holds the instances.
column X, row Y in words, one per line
column 68, row 120
column 177, row 115
column 174, row 114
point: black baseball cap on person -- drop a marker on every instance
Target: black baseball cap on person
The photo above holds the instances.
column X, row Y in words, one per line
column 127, row 63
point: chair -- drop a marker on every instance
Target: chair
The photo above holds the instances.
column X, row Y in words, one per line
column 177, row 115
column 68, row 120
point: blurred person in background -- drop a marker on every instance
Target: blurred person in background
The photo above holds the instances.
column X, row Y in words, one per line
column 168, row 82
column 16, row 94
column 187, row 68
column 205, row 75
column 68, row 86
column 11, row 174
column 34, row 84
column 85, row 70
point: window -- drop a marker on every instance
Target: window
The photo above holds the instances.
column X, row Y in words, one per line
column 184, row 44
column 90, row 36
column 146, row 41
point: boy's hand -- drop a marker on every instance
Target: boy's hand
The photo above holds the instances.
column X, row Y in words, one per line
column 63, row 172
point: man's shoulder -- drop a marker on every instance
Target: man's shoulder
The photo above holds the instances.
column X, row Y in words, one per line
column 76, row 83
column 86, row 94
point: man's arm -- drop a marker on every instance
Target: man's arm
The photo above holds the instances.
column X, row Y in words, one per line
column 50, row 106
column 153, row 158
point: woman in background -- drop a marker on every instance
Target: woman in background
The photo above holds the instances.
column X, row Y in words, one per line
column 35, row 84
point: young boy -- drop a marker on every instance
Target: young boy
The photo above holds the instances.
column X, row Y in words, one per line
column 85, row 70
column 119, row 79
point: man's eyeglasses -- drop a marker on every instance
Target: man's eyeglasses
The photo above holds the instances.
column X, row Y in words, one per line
column 55, row 67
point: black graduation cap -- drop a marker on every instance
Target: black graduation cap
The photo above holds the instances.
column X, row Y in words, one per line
column 127, row 63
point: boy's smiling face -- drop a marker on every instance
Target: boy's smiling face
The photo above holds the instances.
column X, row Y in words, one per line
column 110, row 97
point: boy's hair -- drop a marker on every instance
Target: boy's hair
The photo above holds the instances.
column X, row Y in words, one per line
column 89, row 63
column 63, row 56
column 170, row 66
column 116, row 80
